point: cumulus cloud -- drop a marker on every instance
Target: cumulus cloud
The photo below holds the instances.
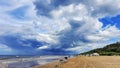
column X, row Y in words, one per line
column 58, row 26
column 83, row 25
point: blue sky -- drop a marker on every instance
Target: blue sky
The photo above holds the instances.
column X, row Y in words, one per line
column 115, row 20
column 35, row 27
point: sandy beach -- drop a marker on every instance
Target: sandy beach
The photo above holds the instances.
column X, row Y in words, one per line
column 86, row 62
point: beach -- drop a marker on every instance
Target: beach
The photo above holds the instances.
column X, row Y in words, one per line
column 86, row 62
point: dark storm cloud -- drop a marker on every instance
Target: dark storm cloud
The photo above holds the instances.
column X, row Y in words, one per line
column 21, row 45
column 30, row 46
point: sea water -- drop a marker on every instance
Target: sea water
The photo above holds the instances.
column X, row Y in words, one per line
column 26, row 61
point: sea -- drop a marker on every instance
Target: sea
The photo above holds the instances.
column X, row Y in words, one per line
column 26, row 61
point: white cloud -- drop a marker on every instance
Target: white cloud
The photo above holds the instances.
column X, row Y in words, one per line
column 106, row 7
column 5, row 47
column 75, row 12
column 43, row 47
column 11, row 24
column 47, row 38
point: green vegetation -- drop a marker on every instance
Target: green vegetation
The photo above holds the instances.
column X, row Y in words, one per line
column 112, row 49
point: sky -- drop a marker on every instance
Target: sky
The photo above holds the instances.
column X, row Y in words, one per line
column 57, row 27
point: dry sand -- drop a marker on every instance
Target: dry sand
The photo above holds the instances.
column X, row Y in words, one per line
column 86, row 62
